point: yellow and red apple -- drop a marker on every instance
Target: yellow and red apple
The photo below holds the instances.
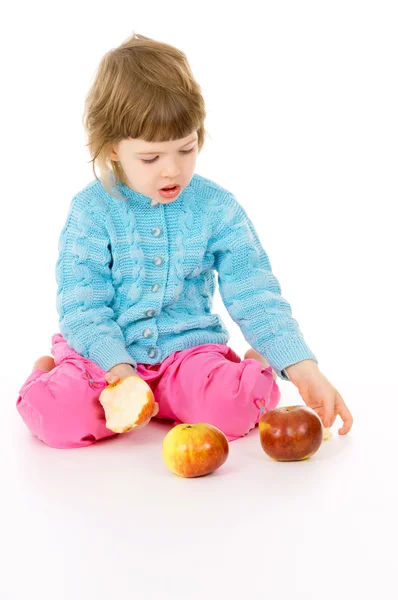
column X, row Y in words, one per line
column 194, row 450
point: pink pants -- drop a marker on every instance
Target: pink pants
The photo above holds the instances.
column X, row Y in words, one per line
column 207, row 384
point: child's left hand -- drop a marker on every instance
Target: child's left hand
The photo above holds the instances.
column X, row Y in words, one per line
column 319, row 394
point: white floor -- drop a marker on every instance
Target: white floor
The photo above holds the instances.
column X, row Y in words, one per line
column 111, row 521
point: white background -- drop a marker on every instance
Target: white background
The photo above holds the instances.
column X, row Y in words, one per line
column 302, row 117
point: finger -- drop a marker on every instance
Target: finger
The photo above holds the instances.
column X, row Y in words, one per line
column 155, row 410
column 328, row 414
column 346, row 417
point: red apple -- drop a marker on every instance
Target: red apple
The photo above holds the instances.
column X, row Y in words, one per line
column 194, row 450
column 290, row 433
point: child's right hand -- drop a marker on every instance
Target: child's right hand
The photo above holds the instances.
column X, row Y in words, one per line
column 119, row 372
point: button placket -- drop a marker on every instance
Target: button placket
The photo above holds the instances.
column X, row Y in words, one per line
column 158, row 261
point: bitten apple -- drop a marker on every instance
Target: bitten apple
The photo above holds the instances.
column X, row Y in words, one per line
column 290, row 433
column 128, row 404
column 194, row 450
column 327, row 434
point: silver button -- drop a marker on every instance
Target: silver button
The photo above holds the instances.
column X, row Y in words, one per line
column 152, row 352
column 158, row 260
column 156, row 231
column 155, row 287
column 150, row 312
column 154, row 204
column 148, row 333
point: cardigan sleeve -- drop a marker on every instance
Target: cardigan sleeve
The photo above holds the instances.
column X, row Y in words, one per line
column 250, row 291
column 84, row 288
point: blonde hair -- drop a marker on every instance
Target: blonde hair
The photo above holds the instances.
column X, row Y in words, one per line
column 142, row 89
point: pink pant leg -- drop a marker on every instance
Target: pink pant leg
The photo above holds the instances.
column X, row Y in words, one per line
column 61, row 407
column 211, row 384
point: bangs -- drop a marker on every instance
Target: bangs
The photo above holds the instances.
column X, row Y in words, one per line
column 164, row 119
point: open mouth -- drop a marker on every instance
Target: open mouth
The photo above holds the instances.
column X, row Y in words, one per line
column 170, row 191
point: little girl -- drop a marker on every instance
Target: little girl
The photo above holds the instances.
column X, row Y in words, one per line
column 136, row 273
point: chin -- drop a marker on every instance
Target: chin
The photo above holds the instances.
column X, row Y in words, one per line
column 163, row 201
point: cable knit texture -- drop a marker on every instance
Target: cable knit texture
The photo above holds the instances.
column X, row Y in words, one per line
column 136, row 279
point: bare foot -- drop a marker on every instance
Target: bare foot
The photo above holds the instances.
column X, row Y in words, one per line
column 251, row 353
column 44, row 363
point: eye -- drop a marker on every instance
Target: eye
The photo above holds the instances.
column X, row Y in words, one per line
column 187, row 151
column 152, row 160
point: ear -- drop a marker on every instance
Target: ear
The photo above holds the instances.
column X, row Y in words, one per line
column 113, row 155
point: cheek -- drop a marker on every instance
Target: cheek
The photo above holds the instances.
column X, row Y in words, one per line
column 141, row 171
column 190, row 163
column 140, row 175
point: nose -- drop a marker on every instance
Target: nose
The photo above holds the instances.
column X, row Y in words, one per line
column 170, row 170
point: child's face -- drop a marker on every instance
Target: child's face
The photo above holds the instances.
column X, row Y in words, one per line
column 171, row 163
